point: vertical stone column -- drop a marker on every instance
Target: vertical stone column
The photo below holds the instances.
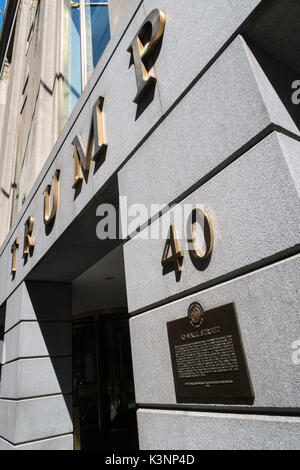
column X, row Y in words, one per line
column 10, row 99
column 2, row 320
column 36, row 379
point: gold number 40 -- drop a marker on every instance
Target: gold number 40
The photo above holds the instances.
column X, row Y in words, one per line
column 176, row 257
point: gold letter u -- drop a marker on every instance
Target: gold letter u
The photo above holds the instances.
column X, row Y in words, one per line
column 48, row 217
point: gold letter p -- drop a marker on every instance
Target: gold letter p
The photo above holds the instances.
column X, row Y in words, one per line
column 142, row 46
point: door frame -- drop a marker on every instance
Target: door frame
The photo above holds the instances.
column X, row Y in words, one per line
column 95, row 314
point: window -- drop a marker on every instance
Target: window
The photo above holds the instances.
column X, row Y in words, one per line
column 7, row 34
column 88, row 32
column 97, row 32
column 2, row 7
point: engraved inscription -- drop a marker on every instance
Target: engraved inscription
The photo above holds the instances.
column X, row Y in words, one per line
column 208, row 360
column 206, row 357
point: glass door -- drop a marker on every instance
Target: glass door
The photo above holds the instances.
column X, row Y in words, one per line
column 104, row 402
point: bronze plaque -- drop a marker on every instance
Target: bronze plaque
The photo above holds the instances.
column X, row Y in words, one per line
column 208, row 360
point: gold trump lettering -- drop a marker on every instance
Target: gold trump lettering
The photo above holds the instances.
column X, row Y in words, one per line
column 14, row 248
column 28, row 239
column 142, row 47
column 82, row 154
column 49, row 216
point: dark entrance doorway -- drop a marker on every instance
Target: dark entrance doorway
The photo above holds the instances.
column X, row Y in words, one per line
column 104, row 402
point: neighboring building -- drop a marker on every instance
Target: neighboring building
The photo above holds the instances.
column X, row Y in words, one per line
column 110, row 113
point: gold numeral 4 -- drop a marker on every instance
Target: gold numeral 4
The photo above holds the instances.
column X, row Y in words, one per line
column 176, row 256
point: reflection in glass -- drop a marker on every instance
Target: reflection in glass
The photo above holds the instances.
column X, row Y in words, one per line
column 96, row 31
column 74, row 59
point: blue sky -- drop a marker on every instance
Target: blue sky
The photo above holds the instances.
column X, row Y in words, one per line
column 2, row 6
